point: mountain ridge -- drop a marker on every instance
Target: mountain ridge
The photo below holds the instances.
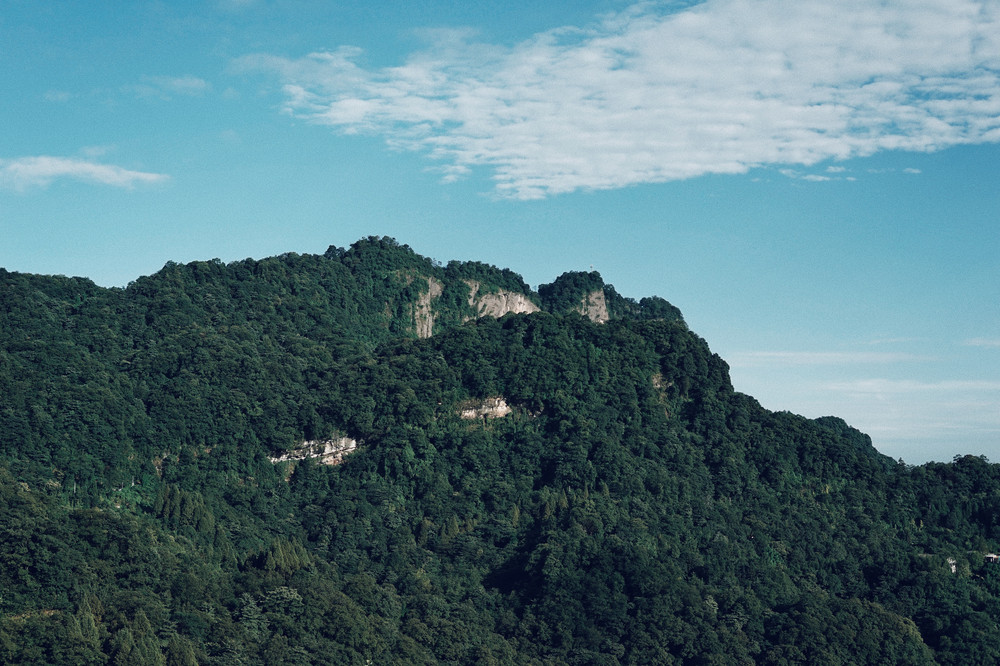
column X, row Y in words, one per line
column 611, row 500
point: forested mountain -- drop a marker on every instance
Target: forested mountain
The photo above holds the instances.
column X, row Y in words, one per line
column 560, row 477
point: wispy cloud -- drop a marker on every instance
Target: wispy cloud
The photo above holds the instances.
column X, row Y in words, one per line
column 920, row 419
column 40, row 171
column 983, row 342
column 889, row 341
column 58, row 96
column 896, row 386
column 798, row 358
column 651, row 94
column 166, row 87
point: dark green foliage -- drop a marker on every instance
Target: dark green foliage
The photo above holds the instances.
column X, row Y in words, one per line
column 651, row 307
column 571, row 289
column 631, row 508
column 490, row 277
column 564, row 295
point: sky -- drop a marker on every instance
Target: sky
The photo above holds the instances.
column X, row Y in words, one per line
column 814, row 184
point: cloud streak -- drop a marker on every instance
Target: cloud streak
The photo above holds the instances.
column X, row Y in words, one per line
column 983, row 342
column 896, row 386
column 40, row 171
column 906, row 411
column 796, row 358
column 165, row 87
column 653, row 95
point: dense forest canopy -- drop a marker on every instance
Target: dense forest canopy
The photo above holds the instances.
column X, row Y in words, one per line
column 531, row 489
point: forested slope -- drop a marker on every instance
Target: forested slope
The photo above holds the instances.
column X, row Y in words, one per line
column 626, row 507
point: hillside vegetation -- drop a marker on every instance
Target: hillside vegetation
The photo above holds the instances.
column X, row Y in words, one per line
column 531, row 489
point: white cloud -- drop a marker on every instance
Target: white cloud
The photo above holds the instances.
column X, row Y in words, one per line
column 917, row 420
column 983, row 342
column 58, row 96
column 93, row 152
column 889, row 341
column 164, row 87
column 648, row 95
column 896, row 386
column 27, row 172
column 182, row 85
column 908, row 416
column 231, row 137
column 796, row 358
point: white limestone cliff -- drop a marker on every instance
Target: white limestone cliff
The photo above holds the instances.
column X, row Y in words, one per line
column 498, row 303
column 487, row 408
column 594, row 307
column 323, row 451
column 423, row 312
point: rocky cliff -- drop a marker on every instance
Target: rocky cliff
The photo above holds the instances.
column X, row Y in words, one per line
column 323, row 451
column 423, row 312
column 594, row 306
column 487, row 408
column 498, row 303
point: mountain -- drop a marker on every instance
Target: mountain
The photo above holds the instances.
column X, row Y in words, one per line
column 368, row 457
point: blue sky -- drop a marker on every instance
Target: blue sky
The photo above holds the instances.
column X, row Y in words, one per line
column 814, row 184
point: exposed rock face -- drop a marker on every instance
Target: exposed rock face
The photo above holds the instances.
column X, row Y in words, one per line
column 487, row 408
column 423, row 314
column 594, row 307
column 662, row 386
column 499, row 303
column 323, row 451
